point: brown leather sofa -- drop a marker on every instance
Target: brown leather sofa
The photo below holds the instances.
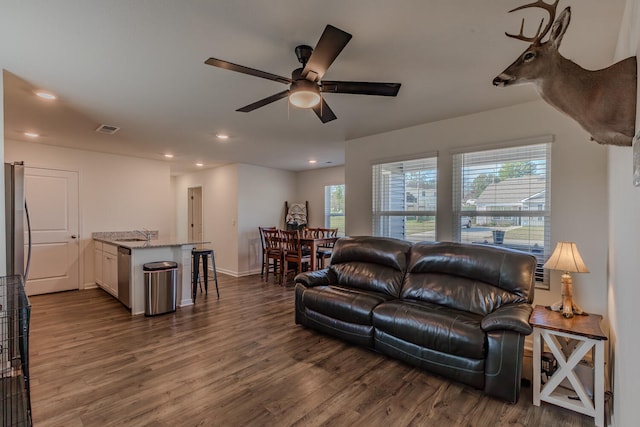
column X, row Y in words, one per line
column 458, row 310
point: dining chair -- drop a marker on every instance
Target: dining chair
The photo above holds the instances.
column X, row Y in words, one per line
column 292, row 253
column 273, row 251
column 265, row 260
column 308, row 233
column 326, row 249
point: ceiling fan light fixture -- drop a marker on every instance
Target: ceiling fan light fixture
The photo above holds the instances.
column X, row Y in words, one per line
column 304, row 99
column 304, row 94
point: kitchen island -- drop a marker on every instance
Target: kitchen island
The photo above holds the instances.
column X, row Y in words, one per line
column 142, row 252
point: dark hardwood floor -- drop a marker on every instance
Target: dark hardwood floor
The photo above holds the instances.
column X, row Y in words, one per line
column 236, row 361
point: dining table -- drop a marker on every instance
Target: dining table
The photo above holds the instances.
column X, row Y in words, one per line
column 314, row 243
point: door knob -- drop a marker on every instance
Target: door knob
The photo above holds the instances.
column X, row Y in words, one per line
column 73, row 236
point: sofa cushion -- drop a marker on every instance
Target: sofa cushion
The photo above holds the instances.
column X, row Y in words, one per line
column 473, row 278
column 370, row 263
column 368, row 277
column 432, row 326
column 349, row 305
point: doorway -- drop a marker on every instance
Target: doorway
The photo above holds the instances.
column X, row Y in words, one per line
column 194, row 214
column 52, row 197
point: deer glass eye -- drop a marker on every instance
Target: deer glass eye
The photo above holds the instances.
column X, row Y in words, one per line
column 528, row 56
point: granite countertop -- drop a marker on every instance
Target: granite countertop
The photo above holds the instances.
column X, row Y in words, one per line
column 153, row 243
column 133, row 240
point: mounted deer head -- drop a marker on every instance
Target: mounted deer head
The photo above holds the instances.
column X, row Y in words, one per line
column 603, row 102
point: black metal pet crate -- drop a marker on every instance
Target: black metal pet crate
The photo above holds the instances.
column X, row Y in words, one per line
column 15, row 312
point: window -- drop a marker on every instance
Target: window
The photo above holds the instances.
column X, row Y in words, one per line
column 334, row 207
column 404, row 199
column 501, row 197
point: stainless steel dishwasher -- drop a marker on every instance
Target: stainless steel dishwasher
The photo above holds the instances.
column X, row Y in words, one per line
column 124, row 275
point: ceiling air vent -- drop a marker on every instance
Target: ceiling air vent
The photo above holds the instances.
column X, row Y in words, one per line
column 109, row 130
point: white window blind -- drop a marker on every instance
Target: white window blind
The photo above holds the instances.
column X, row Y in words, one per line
column 502, row 197
column 405, row 199
column 334, row 207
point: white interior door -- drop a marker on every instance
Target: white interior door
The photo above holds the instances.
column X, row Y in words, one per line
column 52, row 198
column 195, row 214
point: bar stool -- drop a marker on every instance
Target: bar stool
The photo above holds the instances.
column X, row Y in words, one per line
column 196, row 254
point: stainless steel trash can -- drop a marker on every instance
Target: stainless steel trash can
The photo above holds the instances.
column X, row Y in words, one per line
column 160, row 287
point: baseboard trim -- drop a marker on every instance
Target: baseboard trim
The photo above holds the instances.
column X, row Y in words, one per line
column 235, row 273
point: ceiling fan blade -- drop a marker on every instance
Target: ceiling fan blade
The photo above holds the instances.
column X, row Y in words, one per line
column 264, row 101
column 331, row 43
column 361, row 88
column 323, row 111
column 246, row 70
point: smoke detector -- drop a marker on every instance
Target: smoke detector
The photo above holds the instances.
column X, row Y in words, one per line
column 107, row 129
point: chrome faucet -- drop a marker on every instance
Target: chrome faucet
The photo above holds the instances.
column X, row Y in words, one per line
column 146, row 233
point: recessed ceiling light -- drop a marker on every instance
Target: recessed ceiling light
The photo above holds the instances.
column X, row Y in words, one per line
column 31, row 134
column 45, row 95
column 169, row 156
column 222, row 136
column 199, row 164
column 313, row 161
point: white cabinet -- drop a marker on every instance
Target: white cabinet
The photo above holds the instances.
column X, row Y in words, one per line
column 106, row 267
column 110, row 268
column 97, row 262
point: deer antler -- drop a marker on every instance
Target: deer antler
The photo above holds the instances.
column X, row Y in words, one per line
column 550, row 8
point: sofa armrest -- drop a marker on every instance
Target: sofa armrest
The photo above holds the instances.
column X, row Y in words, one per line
column 315, row 278
column 513, row 317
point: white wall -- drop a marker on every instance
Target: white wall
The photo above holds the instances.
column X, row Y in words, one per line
column 263, row 192
column 311, row 188
column 578, row 174
column 116, row 193
column 237, row 199
column 624, row 253
column 219, row 211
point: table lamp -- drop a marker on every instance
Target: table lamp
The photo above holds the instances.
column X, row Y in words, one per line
column 567, row 259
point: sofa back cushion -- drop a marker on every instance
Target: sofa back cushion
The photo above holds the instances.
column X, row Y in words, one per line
column 370, row 263
column 469, row 277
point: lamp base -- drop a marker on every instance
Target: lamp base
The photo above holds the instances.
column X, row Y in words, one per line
column 571, row 309
column 566, row 305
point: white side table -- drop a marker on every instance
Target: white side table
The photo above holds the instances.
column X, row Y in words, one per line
column 569, row 340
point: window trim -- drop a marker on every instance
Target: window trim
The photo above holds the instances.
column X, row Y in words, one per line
column 377, row 213
column 456, row 198
column 510, row 143
column 327, row 207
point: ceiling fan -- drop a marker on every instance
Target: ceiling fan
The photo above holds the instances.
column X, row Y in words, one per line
column 306, row 84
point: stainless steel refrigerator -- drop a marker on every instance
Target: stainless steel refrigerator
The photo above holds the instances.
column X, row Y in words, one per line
column 16, row 221
column 15, row 311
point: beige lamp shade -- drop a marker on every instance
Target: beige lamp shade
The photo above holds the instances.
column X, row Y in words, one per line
column 566, row 257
